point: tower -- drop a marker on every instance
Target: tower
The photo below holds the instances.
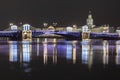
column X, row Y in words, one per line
column 26, row 32
column 89, row 20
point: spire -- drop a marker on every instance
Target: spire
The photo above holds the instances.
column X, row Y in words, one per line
column 89, row 20
column 89, row 12
column 90, row 15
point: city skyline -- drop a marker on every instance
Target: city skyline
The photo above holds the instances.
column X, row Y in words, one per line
column 64, row 12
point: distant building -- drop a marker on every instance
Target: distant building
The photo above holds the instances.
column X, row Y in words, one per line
column 69, row 29
column 112, row 29
column 26, row 32
column 26, row 27
column 89, row 21
column 14, row 27
column 51, row 28
column 58, row 28
column 101, row 29
column 85, row 28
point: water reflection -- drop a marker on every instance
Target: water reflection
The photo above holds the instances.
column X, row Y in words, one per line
column 105, row 52
column 87, row 53
column 117, row 52
column 51, row 50
column 26, row 51
column 45, row 57
column 13, row 51
column 26, row 55
column 38, row 41
column 54, row 51
column 45, row 52
column 74, row 51
column 69, row 51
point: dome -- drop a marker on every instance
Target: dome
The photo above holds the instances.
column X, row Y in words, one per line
column 51, row 28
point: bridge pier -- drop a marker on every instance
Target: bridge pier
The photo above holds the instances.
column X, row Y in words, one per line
column 27, row 35
column 85, row 35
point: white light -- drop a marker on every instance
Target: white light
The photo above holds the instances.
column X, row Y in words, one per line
column 74, row 26
column 11, row 24
column 26, row 27
column 69, row 28
column 45, row 24
column 85, row 28
column 14, row 27
column 26, row 51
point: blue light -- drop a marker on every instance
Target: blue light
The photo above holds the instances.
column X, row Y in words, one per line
column 69, row 51
column 26, row 51
column 85, row 52
column 13, row 51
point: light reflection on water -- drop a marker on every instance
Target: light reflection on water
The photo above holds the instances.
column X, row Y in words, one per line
column 57, row 51
column 70, row 50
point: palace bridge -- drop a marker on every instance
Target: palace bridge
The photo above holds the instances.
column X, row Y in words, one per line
column 19, row 35
column 26, row 33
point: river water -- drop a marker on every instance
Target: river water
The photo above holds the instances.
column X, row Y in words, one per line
column 53, row 59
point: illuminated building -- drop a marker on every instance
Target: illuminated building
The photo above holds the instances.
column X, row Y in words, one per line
column 89, row 20
column 51, row 28
column 85, row 28
column 26, row 27
column 14, row 27
column 69, row 29
column 26, row 32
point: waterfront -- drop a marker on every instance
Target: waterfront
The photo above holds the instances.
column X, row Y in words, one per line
column 53, row 58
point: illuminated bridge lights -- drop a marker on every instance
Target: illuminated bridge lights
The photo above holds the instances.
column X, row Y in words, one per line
column 35, row 33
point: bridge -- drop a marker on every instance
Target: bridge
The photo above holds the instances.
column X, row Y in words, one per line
column 58, row 34
column 11, row 34
column 17, row 35
column 104, row 35
column 28, row 32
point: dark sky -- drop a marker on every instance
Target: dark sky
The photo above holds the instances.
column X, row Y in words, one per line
column 65, row 12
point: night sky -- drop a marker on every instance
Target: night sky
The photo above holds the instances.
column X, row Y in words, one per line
column 65, row 12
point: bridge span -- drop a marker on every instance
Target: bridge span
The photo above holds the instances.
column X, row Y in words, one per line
column 17, row 35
